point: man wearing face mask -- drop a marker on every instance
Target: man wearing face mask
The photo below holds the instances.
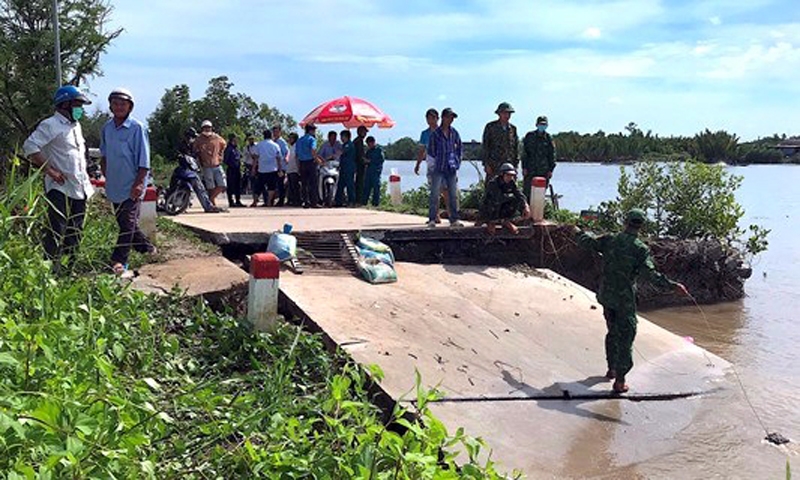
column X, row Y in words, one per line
column 57, row 146
column 126, row 164
column 538, row 155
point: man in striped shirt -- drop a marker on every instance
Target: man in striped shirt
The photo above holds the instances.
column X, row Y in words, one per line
column 444, row 146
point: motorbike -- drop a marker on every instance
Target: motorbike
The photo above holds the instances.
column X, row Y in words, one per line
column 329, row 177
column 185, row 179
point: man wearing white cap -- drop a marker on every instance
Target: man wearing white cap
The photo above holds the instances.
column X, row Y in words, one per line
column 208, row 149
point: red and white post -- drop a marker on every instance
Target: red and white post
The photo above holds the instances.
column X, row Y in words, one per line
column 262, row 300
column 147, row 219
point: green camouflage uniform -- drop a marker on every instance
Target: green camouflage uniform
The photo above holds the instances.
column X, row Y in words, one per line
column 625, row 256
column 503, row 201
column 538, row 158
column 500, row 145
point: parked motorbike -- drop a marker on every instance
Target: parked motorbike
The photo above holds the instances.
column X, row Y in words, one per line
column 185, row 179
column 329, row 177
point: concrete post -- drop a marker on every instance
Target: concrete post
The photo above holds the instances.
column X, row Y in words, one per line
column 147, row 220
column 262, row 300
column 537, row 198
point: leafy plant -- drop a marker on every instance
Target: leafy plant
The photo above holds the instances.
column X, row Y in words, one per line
column 684, row 200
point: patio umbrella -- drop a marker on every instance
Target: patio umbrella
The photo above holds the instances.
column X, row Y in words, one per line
column 351, row 112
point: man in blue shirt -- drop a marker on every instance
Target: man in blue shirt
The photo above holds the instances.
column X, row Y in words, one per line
column 308, row 160
column 445, row 148
column 125, row 163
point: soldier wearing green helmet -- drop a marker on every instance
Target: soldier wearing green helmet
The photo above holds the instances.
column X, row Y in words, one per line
column 500, row 142
column 625, row 257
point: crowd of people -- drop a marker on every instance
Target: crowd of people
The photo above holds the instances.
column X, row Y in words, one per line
column 286, row 172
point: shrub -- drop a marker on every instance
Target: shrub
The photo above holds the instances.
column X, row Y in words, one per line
column 684, row 200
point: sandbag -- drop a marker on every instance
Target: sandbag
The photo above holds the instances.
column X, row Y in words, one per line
column 374, row 245
column 375, row 271
column 385, row 257
column 283, row 245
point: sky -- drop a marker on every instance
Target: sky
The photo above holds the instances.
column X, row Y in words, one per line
column 674, row 67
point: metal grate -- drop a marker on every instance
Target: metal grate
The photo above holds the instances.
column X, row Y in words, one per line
column 326, row 253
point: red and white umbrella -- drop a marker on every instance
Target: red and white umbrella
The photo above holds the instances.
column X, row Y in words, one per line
column 351, row 112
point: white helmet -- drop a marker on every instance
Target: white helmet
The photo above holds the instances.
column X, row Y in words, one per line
column 122, row 93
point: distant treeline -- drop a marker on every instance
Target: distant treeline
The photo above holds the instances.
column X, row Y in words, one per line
column 635, row 145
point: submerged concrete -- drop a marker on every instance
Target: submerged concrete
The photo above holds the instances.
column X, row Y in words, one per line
column 506, row 349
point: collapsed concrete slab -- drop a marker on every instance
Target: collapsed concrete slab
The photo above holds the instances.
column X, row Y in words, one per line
column 515, row 354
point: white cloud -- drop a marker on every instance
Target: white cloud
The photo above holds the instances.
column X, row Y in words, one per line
column 592, row 33
column 715, row 20
column 615, row 100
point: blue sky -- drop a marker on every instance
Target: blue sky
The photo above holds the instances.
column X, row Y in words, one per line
column 674, row 67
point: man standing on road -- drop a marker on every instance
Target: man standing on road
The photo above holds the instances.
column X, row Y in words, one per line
column 233, row 164
column 625, row 256
column 432, row 117
column 306, row 150
column 500, row 142
column 58, row 147
column 126, row 164
column 277, row 137
column 538, row 155
column 208, row 150
column 445, row 148
column 268, row 170
column 361, row 161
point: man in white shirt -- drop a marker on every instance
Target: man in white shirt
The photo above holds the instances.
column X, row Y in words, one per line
column 268, row 169
column 57, row 145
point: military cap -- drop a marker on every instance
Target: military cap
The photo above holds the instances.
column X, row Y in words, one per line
column 504, row 107
column 636, row 216
column 542, row 119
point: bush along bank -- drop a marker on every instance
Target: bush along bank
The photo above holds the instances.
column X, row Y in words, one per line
column 99, row 381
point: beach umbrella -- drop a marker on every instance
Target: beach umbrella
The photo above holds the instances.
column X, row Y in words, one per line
column 351, row 112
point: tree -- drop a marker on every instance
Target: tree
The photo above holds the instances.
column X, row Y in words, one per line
column 229, row 112
column 719, row 146
column 26, row 58
column 685, row 200
column 404, row 149
column 169, row 120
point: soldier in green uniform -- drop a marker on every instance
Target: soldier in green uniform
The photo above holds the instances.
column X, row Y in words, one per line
column 503, row 201
column 625, row 256
column 538, row 155
column 500, row 142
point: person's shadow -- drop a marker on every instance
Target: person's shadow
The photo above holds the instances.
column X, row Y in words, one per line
column 560, row 400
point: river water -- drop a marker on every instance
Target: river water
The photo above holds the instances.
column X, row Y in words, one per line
column 759, row 334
